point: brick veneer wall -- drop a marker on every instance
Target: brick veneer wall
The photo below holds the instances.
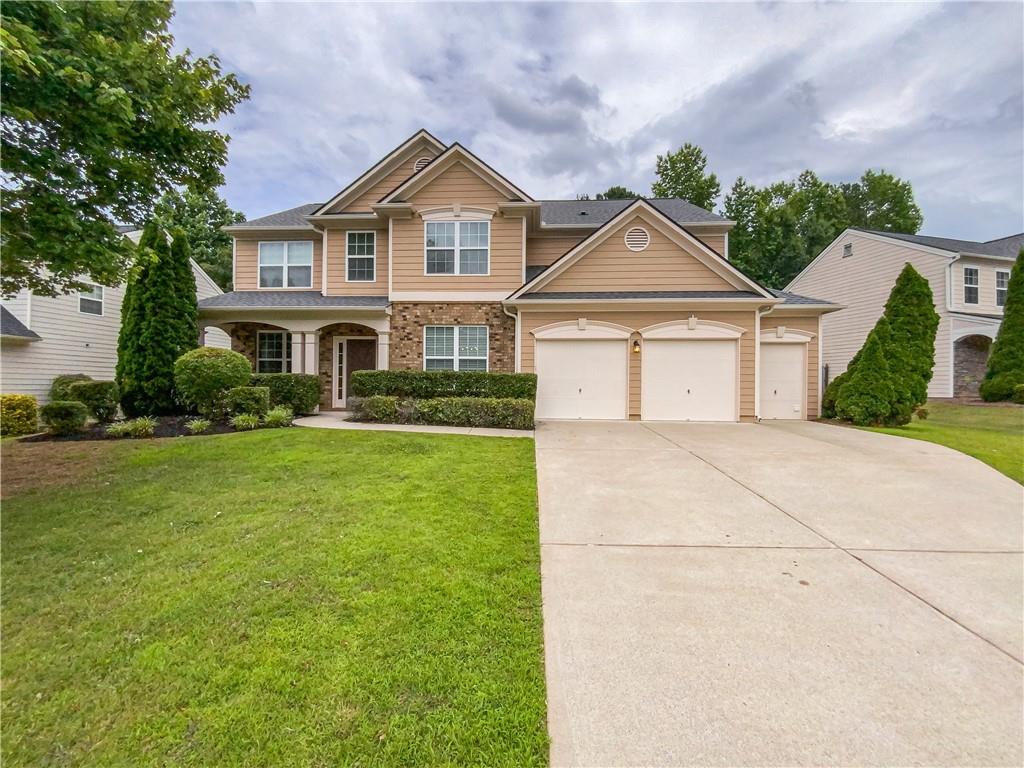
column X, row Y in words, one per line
column 326, row 366
column 970, row 360
column 243, row 338
column 407, row 321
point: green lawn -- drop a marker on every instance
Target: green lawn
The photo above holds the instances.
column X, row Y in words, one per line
column 993, row 434
column 290, row 597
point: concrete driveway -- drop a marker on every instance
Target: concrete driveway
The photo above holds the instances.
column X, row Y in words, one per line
column 786, row 594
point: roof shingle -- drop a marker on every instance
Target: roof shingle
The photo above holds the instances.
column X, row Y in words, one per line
column 12, row 327
column 562, row 213
column 1007, row 247
column 289, row 299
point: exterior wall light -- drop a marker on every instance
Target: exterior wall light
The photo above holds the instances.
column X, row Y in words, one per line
column 636, row 347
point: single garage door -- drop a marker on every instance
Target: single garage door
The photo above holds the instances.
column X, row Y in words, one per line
column 689, row 380
column 783, row 373
column 581, row 379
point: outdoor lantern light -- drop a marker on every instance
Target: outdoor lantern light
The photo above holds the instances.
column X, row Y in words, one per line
column 636, row 346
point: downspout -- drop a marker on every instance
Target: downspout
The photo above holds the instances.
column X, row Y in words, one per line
column 949, row 318
column 761, row 312
column 518, row 347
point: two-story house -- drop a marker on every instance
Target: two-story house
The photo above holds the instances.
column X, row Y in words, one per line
column 433, row 260
column 968, row 279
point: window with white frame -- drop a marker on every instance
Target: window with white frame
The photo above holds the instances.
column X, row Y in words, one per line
column 970, row 285
column 360, row 257
column 455, row 348
column 457, row 247
column 286, row 264
column 273, row 352
column 90, row 301
column 1002, row 286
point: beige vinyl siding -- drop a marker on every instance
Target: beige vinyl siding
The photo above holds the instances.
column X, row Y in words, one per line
column 810, row 324
column 662, row 266
column 205, row 288
column 711, row 235
column 337, row 285
column 862, row 283
column 530, row 321
column 460, row 185
column 391, row 181
column 247, row 259
column 547, row 249
column 986, row 284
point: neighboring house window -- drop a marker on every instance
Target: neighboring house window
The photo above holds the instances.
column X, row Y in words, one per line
column 1002, row 285
column 286, row 264
column 90, row 302
column 457, row 247
column 455, row 348
column 273, row 352
column 847, row 250
column 360, row 257
column 970, row 285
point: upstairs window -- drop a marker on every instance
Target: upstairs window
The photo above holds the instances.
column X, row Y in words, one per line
column 90, row 301
column 970, row 285
column 286, row 264
column 1002, row 286
column 457, row 247
column 360, row 257
column 455, row 348
column 273, row 352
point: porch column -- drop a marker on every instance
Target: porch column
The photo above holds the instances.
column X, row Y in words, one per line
column 383, row 350
column 298, row 352
column 312, row 353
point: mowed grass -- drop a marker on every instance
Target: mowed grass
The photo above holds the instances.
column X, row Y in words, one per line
column 290, row 597
column 993, row 434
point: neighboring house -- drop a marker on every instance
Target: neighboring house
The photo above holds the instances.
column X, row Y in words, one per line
column 968, row 281
column 433, row 260
column 45, row 336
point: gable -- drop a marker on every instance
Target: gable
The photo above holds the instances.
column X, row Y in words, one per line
column 664, row 265
column 404, row 168
column 457, row 183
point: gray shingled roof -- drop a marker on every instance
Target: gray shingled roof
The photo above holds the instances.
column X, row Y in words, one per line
column 644, row 295
column 793, row 298
column 293, row 217
column 560, row 213
column 12, row 327
column 1005, row 246
column 286, row 299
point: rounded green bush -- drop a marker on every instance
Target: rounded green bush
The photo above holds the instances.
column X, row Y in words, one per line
column 245, row 421
column 298, row 391
column 203, row 376
column 255, row 400
column 60, row 387
column 100, row 397
column 65, row 417
column 19, row 415
column 279, row 416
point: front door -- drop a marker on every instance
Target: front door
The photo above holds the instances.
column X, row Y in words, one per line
column 351, row 354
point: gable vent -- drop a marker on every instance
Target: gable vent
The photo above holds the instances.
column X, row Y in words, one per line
column 637, row 239
column 420, row 164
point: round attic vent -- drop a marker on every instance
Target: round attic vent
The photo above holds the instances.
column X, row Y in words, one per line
column 637, row 239
column 420, row 164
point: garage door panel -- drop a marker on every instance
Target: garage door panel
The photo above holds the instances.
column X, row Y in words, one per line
column 783, row 374
column 581, row 379
column 684, row 380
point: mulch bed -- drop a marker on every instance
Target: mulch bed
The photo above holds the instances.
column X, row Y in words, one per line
column 167, row 426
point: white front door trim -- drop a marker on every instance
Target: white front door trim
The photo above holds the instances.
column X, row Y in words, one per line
column 336, row 401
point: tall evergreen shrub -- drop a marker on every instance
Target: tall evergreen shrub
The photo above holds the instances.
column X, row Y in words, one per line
column 1006, row 363
column 868, row 396
column 910, row 353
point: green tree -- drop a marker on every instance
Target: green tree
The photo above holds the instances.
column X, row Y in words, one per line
column 159, row 323
column 882, row 202
column 1006, row 363
column 617, row 193
column 201, row 215
column 741, row 207
column 913, row 322
column 821, row 210
column 683, row 174
column 99, row 117
column 867, row 396
column 777, row 250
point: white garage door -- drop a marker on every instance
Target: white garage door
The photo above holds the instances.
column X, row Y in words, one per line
column 782, row 381
column 689, row 380
column 581, row 379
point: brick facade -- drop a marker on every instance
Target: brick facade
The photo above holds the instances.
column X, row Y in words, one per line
column 243, row 338
column 408, row 320
column 970, row 359
column 326, row 363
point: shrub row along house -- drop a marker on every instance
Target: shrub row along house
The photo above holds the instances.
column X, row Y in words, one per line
column 433, row 260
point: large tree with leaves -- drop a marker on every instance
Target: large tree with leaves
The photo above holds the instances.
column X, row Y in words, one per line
column 200, row 215
column 1006, row 363
column 883, row 202
column 617, row 193
column 159, row 323
column 683, row 174
column 99, row 117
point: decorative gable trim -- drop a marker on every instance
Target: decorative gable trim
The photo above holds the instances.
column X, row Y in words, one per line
column 670, row 229
column 454, row 154
column 379, row 170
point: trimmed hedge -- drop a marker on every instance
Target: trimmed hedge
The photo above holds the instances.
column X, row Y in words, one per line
column 500, row 412
column 203, row 376
column 251, row 400
column 100, row 397
column 65, row 417
column 60, row 387
column 431, row 384
column 299, row 391
column 19, row 415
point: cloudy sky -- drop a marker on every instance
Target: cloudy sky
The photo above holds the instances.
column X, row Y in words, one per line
column 572, row 98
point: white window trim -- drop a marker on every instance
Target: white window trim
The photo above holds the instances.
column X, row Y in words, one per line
column 102, row 301
column 284, row 275
column 348, row 255
column 1005, row 290
column 286, row 346
column 458, row 261
column 455, row 349
column 976, row 285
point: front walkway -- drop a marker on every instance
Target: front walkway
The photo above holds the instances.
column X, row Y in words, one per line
column 787, row 594
column 339, row 420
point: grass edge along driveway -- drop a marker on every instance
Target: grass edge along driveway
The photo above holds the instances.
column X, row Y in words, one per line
column 287, row 597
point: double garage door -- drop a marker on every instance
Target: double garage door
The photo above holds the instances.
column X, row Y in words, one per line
column 680, row 380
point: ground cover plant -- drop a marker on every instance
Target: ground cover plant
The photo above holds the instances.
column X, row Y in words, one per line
column 249, row 599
